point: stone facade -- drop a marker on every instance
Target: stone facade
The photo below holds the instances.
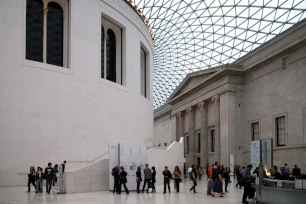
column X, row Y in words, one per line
column 216, row 109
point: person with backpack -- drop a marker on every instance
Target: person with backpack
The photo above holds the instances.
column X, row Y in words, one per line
column 167, row 176
column 194, row 179
column 115, row 174
column 39, row 180
column 49, row 175
column 218, row 182
column 123, row 180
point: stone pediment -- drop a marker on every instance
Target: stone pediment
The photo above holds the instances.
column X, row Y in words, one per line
column 192, row 80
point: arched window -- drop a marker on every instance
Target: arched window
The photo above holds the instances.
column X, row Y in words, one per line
column 102, row 51
column 47, row 31
column 55, row 32
column 111, row 56
column 34, row 30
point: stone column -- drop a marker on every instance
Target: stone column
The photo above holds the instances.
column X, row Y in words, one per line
column 180, row 128
column 191, row 134
column 215, row 99
column 204, row 135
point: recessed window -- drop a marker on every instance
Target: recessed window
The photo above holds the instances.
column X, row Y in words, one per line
column 47, row 32
column 187, row 141
column 255, row 131
column 280, row 126
column 212, row 135
column 143, row 73
column 165, row 144
column 199, row 142
column 111, row 51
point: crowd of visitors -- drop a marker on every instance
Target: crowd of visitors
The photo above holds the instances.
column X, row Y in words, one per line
column 37, row 177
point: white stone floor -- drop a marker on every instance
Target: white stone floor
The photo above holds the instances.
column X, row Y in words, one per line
column 18, row 195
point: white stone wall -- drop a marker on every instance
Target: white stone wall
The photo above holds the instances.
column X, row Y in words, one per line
column 51, row 114
column 163, row 130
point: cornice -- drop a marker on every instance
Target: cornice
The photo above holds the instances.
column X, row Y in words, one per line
column 221, row 73
column 281, row 54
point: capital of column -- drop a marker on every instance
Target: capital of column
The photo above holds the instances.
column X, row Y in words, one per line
column 189, row 110
column 105, row 36
column 200, row 105
column 179, row 114
column 215, row 98
column 45, row 10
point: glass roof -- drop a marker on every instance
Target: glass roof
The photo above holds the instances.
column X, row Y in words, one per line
column 191, row 35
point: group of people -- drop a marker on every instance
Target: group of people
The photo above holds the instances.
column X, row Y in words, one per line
column 37, row 177
column 149, row 179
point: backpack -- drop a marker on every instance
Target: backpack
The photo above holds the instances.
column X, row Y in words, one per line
column 214, row 173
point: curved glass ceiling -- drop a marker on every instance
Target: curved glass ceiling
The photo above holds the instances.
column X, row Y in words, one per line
column 191, row 35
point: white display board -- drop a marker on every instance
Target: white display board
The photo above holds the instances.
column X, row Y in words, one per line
column 255, row 154
column 113, row 152
column 131, row 156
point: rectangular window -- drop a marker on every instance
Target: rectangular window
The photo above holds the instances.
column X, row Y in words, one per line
column 280, row 131
column 165, row 144
column 212, row 135
column 187, row 141
column 255, row 131
column 143, row 72
column 199, row 142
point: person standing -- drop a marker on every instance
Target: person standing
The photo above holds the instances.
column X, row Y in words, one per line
column 194, row 179
column 218, row 182
column 189, row 172
column 226, row 177
column 31, row 178
column 49, row 175
column 287, row 168
column 200, row 173
column 167, row 177
column 185, row 170
column 115, row 174
column 39, row 180
column 177, row 178
column 235, row 168
column 153, row 179
column 246, row 176
column 55, row 170
column 239, row 176
column 64, row 166
column 138, row 178
column 147, row 176
column 123, row 180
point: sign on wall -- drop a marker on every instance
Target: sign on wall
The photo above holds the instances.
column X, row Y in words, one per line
column 267, row 153
column 130, row 156
column 255, row 154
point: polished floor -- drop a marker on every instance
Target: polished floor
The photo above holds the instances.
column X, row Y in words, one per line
column 18, row 195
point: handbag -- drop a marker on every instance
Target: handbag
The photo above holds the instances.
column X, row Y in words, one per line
column 179, row 180
column 137, row 179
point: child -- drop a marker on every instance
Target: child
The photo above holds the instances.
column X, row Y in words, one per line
column 226, row 177
column 210, row 185
column 39, row 180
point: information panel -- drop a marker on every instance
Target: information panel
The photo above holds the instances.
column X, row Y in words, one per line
column 131, row 156
column 113, row 152
column 255, row 154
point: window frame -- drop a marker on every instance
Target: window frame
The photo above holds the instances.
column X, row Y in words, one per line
column 274, row 130
column 280, row 130
column 251, row 123
column 68, row 41
column 109, row 24
column 147, row 73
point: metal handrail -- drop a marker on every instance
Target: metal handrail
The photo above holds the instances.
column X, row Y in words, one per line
column 88, row 160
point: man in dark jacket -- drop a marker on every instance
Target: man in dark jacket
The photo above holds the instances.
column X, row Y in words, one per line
column 116, row 175
column 194, row 179
column 167, row 176
column 49, row 175
column 275, row 174
column 147, row 176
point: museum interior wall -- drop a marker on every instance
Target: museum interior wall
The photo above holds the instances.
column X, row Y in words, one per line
column 259, row 96
column 52, row 113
